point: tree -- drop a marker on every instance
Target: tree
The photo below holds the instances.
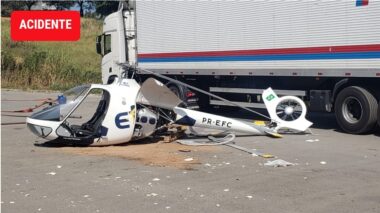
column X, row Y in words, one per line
column 104, row 8
column 29, row 3
column 85, row 5
column 8, row 6
column 61, row 5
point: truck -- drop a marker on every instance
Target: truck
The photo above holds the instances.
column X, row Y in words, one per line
column 325, row 52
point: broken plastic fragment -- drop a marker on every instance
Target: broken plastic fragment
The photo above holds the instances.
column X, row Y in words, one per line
column 278, row 163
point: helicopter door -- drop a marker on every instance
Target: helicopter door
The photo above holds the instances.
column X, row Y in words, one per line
column 85, row 121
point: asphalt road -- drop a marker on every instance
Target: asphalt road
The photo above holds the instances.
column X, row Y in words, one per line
column 334, row 172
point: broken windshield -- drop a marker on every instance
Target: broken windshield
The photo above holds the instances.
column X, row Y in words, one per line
column 71, row 98
column 66, row 103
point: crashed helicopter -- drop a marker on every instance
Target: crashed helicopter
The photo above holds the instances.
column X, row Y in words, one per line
column 127, row 111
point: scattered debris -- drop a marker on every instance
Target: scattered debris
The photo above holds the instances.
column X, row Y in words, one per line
column 312, row 140
column 51, row 173
column 152, row 154
column 253, row 152
column 152, row 195
column 278, row 163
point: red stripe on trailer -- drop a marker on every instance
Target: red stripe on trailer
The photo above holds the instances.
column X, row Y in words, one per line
column 301, row 50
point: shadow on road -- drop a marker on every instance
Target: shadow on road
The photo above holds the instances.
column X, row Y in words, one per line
column 321, row 120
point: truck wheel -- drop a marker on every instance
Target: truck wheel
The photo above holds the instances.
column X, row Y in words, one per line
column 355, row 110
column 176, row 91
column 111, row 79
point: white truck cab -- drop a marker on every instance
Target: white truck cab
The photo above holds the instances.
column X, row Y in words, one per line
column 117, row 44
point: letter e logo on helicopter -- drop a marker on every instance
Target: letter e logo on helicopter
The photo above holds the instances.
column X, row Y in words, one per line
column 122, row 121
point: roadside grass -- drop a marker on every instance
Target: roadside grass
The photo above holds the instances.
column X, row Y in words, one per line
column 50, row 65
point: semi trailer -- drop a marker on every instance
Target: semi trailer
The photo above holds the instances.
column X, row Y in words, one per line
column 325, row 52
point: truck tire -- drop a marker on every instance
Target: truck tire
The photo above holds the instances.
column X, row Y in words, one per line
column 111, row 79
column 355, row 110
column 176, row 91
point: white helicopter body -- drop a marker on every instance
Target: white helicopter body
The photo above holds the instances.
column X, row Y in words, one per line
column 128, row 111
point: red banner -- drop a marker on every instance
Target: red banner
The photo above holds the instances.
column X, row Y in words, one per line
column 45, row 26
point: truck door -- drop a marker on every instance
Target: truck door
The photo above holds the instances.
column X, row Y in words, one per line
column 112, row 45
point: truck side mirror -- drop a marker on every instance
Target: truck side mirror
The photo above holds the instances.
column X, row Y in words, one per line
column 99, row 45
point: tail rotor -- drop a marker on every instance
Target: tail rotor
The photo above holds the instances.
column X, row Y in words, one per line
column 287, row 111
